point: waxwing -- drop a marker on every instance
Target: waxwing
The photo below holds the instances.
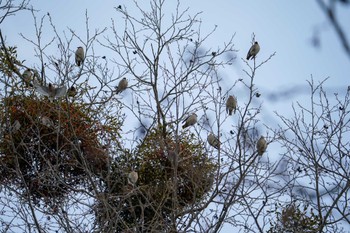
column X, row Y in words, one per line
column 72, row 91
column 231, row 104
column 190, row 120
column 47, row 122
column 261, row 145
column 133, row 177
column 173, row 157
column 15, row 126
column 213, row 141
column 79, row 56
column 28, row 77
column 253, row 51
column 123, row 84
column 50, row 90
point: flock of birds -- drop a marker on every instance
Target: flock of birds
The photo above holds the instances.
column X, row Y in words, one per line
column 56, row 92
column 231, row 106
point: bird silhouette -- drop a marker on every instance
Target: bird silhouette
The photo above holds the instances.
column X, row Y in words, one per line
column 72, row 91
column 28, row 77
column 79, row 56
column 133, row 177
column 50, row 90
column 123, row 84
column 253, row 51
column 261, row 145
column 231, row 105
column 213, row 141
column 190, row 120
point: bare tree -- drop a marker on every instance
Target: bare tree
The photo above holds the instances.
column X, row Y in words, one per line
column 112, row 155
column 55, row 150
column 67, row 157
column 173, row 74
column 11, row 7
column 317, row 151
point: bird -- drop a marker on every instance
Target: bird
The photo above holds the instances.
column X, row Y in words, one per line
column 253, row 51
column 213, row 141
column 231, row 104
column 133, row 177
column 190, row 120
column 72, row 91
column 123, row 84
column 173, row 157
column 15, row 126
column 50, row 90
column 27, row 77
column 47, row 121
column 79, row 56
column 261, row 145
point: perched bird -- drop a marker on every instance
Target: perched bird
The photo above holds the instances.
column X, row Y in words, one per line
column 231, row 104
column 190, row 120
column 50, row 90
column 253, row 51
column 213, row 141
column 133, row 177
column 72, row 91
column 261, row 145
column 123, row 84
column 79, row 56
column 173, row 157
column 47, row 121
column 28, row 77
column 15, row 126
column 37, row 79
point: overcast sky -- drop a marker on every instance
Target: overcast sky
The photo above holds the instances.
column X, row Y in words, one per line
column 281, row 26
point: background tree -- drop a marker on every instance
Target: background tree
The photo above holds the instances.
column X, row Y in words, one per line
column 175, row 74
column 317, row 151
column 11, row 7
column 54, row 152
column 294, row 219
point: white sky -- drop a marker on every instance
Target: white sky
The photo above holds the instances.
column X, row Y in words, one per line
column 281, row 26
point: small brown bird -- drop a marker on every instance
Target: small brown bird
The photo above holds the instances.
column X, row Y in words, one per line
column 50, row 90
column 173, row 157
column 123, row 84
column 15, row 126
column 231, row 104
column 28, row 77
column 72, row 91
column 47, row 121
column 133, row 177
column 261, row 145
column 190, row 120
column 253, row 51
column 79, row 56
column 213, row 141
